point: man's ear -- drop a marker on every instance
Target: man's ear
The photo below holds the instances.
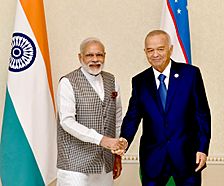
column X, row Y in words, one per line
column 80, row 57
column 171, row 49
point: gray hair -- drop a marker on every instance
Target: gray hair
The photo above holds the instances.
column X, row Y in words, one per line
column 88, row 40
column 159, row 32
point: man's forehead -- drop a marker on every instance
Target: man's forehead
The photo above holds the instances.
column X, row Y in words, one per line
column 94, row 46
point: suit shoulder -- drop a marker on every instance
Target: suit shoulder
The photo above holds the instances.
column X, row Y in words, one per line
column 142, row 74
column 185, row 67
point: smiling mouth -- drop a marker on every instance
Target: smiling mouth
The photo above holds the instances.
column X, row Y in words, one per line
column 156, row 60
column 95, row 65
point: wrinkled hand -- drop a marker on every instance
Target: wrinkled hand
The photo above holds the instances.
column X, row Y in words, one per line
column 200, row 160
column 116, row 145
column 121, row 151
column 117, row 167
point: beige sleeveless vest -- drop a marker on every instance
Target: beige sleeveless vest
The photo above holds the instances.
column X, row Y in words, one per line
column 79, row 156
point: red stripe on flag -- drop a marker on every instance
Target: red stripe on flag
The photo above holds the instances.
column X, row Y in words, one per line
column 177, row 33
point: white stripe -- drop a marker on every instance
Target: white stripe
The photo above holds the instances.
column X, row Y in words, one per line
column 33, row 104
column 167, row 24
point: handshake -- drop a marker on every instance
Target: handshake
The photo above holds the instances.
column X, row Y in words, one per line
column 116, row 145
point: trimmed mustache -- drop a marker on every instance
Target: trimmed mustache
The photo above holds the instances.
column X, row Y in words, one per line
column 94, row 63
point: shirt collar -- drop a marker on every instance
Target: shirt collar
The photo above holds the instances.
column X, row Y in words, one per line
column 166, row 71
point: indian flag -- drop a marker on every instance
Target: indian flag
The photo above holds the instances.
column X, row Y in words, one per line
column 28, row 140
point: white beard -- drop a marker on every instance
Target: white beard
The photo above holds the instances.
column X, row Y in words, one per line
column 93, row 71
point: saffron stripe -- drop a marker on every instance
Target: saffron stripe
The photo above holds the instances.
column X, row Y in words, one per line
column 34, row 11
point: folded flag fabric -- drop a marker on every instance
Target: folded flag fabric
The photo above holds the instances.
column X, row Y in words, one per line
column 175, row 21
column 28, row 140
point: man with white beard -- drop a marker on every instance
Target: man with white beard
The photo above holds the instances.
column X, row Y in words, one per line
column 89, row 120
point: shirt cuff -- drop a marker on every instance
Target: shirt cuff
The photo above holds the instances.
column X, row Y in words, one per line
column 98, row 138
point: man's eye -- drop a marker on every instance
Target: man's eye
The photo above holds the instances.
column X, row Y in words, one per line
column 89, row 55
column 149, row 51
column 99, row 55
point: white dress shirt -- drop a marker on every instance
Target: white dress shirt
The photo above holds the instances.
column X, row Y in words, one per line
column 166, row 72
column 67, row 109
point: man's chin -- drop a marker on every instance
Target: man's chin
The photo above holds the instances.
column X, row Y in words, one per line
column 94, row 71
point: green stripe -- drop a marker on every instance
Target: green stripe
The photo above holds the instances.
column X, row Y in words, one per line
column 170, row 182
column 18, row 166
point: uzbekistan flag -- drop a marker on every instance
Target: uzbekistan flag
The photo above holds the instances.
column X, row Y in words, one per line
column 28, row 140
column 175, row 22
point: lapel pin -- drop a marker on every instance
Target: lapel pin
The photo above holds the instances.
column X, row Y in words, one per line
column 176, row 75
column 114, row 94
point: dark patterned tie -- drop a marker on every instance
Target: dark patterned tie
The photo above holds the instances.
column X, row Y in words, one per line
column 162, row 90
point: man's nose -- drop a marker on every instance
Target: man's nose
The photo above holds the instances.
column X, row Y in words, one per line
column 155, row 53
column 94, row 58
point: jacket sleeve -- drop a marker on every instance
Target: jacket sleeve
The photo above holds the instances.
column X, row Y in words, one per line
column 203, row 115
column 133, row 116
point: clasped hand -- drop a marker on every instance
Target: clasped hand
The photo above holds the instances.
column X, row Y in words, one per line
column 122, row 145
column 116, row 145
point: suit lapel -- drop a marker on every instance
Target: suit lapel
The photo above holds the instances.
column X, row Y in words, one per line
column 173, row 84
column 152, row 89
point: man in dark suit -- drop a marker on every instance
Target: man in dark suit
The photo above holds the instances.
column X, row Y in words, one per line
column 176, row 121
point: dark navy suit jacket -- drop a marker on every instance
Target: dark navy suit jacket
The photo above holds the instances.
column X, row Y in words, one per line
column 180, row 131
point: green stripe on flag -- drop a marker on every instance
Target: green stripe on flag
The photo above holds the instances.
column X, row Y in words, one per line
column 170, row 182
column 18, row 164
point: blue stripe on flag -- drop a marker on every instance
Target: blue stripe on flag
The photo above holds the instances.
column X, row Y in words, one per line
column 179, row 13
column 18, row 164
